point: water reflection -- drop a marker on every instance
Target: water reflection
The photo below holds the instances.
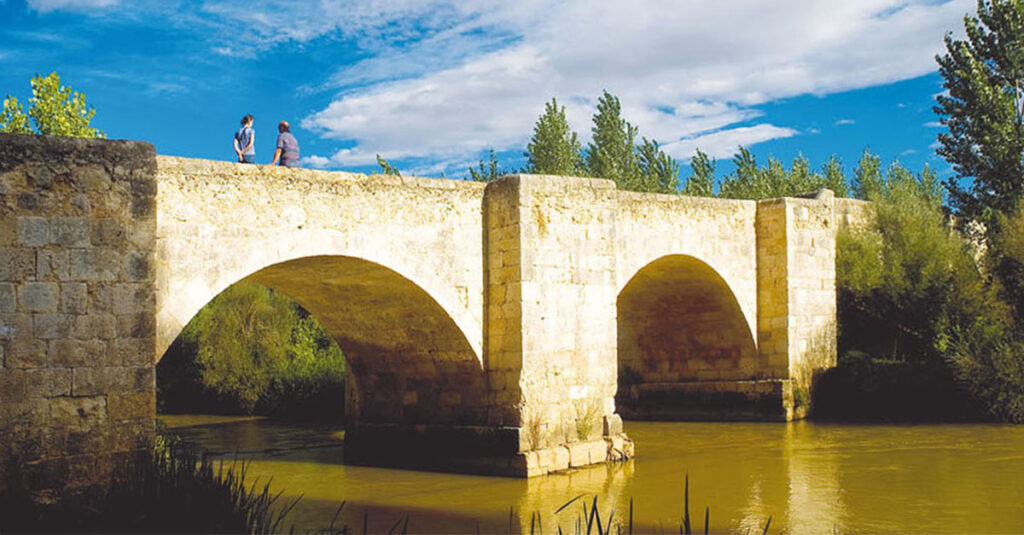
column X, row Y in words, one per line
column 810, row 478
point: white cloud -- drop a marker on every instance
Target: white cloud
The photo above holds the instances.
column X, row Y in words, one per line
column 685, row 72
column 724, row 143
column 933, row 124
column 843, row 122
column 44, row 6
column 316, row 161
column 444, row 80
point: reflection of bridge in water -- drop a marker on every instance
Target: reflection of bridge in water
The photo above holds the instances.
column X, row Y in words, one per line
column 488, row 327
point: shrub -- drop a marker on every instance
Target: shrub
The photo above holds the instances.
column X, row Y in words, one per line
column 251, row 350
column 913, row 298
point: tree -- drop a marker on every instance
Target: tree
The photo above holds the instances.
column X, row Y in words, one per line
column 489, row 170
column 659, row 173
column 702, row 179
column 55, row 111
column 835, row 177
column 984, row 111
column 611, row 154
column 13, row 119
column 386, row 168
column 554, row 148
column 867, row 177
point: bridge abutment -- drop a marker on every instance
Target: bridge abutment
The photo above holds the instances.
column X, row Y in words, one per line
column 77, row 311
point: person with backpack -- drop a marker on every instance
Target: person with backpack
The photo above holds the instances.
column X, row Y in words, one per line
column 245, row 141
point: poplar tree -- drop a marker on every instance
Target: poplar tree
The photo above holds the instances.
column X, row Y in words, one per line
column 867, row 177
column 554, row 148
column 487, row 171
column 702, row 177
column 611, row 153
column 659, row 173
column 984, row 111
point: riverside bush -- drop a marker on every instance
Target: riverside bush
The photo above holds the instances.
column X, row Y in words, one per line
column 919, row 318
column 253, row 350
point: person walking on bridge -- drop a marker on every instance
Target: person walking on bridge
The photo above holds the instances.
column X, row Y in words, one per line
column 245, row 141
column 287, row 152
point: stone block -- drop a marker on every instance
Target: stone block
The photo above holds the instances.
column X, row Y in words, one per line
column 7, row 298
column 131, row 298
column 140, row 325
column 78, row 353
column 49, row 382
column 137, row 267
column 74, row 298
column 33, row 231
column 579, row 454
column 131, row 406
column 52, row 265
column 97, row 264
column 107, row 232
column 102, row 381
column 13, row 386
column 17, row 264
column 38, row 296
column 95, row 326
column 70, row 231
column 79, row 412
column 52, row 326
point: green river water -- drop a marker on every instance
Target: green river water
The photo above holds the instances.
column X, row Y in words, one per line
column 809, row 477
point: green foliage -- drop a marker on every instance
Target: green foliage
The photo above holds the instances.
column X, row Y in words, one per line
column 911, row 292
column 984, row 110
column 486, row 172
column 867, row 177
column 553, row 149
column 255, row 350
column 659, row 173
column 55, row 110
column 750, row 181
column 894, row 277
column 835, row 177
column 13, row 119
column 702, row 179
column 386, row 168
column 611, row 154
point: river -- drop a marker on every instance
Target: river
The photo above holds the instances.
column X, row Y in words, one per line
column 808, row 477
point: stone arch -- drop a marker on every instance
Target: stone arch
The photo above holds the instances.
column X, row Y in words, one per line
column 411, row 363
column 681, row 333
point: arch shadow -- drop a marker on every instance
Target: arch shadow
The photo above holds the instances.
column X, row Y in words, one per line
column 415, row 379
column 685, row 347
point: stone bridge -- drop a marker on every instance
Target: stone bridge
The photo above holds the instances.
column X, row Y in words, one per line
column 497, row 328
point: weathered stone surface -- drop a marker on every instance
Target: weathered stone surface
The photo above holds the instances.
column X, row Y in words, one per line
column 507, row 316
column 38, row 296
column 67, row 406
column 33, row 231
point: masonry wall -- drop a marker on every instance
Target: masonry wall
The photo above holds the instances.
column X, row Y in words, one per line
column 551, row 316
column 797, row 300
column 77, row 241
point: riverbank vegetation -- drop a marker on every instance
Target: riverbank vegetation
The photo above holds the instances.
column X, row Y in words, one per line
column 252, row 350
column 175, row 490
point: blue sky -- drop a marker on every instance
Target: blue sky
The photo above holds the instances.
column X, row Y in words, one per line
column 432, row 84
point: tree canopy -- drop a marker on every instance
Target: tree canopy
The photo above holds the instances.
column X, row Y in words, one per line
column 554, row 148
column 55, row 111
column 984, row 110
